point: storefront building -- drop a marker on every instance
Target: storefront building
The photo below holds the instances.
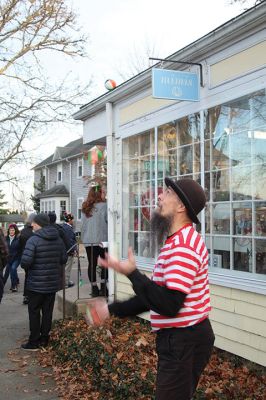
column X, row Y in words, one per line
column 220, row 141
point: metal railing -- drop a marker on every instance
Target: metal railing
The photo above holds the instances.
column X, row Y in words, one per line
column 99, row 271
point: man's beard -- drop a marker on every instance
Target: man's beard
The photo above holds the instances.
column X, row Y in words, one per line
column 160, row 228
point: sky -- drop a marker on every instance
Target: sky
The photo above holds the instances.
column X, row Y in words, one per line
column 116, row 29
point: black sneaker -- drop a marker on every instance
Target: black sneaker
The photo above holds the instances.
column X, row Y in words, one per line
column 95, row 291
column 29, row 346
column 43, row 343
column 25, row 300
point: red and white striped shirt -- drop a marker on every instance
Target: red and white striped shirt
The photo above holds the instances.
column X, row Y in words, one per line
column 183, row 265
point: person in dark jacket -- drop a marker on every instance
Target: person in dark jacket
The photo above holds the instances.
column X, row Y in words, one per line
column 3, row 261
column 43, row 257
column 25, row 234
column 14, row 257
column 67, row 227
column 52, row 216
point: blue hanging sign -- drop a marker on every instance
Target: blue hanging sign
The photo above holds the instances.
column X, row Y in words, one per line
column 175, row 85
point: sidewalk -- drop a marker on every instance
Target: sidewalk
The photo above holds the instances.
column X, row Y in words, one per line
column 21, row 378
column 20, row 375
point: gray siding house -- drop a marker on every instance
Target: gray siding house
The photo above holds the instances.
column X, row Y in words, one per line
column 65, row 173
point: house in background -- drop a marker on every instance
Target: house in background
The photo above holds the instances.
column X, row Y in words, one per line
column 65, row 187
column 7, row 219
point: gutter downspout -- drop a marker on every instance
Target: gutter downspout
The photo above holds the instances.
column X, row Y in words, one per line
column 70, row 185
column 110, row 194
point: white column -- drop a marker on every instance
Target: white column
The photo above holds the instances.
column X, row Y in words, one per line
column 110, row 193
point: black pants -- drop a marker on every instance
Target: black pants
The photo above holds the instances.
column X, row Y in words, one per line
column 40, row 307
column 1, row 284
column 183, row 353
column 93, row 252
column 25, row 291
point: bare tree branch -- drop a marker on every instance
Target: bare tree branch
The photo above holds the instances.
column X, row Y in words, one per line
column 137, row 60
column 29, row 99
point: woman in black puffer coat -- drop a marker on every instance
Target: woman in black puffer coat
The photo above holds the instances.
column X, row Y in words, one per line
column 14, row 257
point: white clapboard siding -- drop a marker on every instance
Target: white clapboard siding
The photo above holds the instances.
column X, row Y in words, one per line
column 239, row 322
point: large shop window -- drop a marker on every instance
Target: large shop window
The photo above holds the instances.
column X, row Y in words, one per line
column 171, row 150
column 235, row 179
column 232, row 167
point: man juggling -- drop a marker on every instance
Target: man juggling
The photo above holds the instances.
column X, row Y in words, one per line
column 177, row 296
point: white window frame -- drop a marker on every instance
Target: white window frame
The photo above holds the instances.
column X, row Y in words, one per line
column 42, row 206
column 80, row 163
column 59, row 169
column 79, row 204
column 60, row 207
column 44, row 175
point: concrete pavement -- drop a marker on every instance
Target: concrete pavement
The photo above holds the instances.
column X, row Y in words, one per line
column 21, row 377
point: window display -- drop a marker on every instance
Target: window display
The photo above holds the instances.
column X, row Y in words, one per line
column 232, row 166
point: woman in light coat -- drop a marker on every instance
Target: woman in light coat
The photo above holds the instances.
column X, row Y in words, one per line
column 94, row 232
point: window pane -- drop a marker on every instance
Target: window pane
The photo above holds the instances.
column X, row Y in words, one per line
column 207, row 219
column 133, row 146
column 207, row 154
column 221, row 218
column 221, row 185
column 240, row 146
column 207, row 186
column 147, row 193
column 147, row 167
column 144, row 245
column 241, row 183
column 259, row 188
column 133, row 219
column 133, row 241
column 260, row 210
column 134, row 194
column 167, row 138
column 145, row 216
column 260, row 246
column 173, row 170
column 210, row 121
column 258, row 138
column 221, row 252
column 146, row 144
column 134, row 171
column 242, row 217
column 220, row 152
column 242, row 248
column 188, row 129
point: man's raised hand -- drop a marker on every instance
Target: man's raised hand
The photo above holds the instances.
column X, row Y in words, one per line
column 124, row 267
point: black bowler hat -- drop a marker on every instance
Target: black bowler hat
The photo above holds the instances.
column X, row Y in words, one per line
column 191, row 194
